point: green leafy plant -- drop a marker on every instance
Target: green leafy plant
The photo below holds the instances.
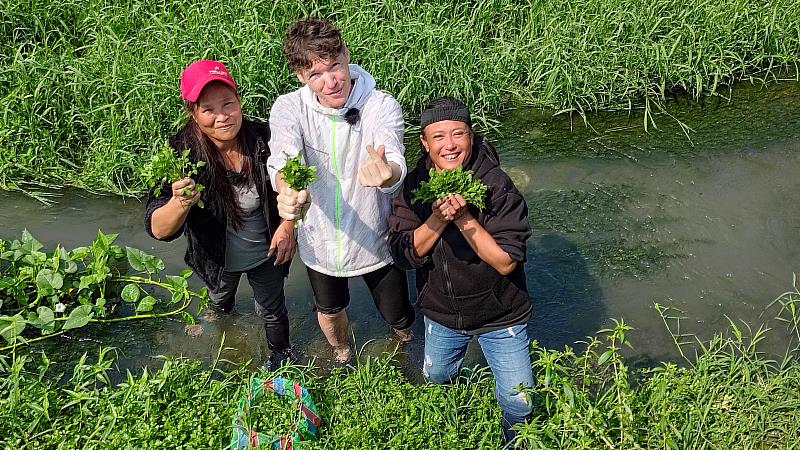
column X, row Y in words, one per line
column 451, row 181
column 296, row 174
column 67, row 289
column 167, row 167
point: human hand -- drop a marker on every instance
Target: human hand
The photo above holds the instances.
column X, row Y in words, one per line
column 283, row 243
column 457, row 208
column 376, row 170
column 438, row 209
column 184, row 192
column 292, row 204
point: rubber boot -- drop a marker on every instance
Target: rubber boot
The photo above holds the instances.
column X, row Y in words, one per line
column 279, row 345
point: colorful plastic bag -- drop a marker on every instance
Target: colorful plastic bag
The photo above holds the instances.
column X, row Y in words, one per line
column 306, row 429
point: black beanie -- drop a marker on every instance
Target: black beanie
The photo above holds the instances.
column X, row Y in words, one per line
column 455, row 110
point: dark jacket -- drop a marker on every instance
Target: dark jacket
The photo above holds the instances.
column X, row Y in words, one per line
column 205, row 227
column 456, row 288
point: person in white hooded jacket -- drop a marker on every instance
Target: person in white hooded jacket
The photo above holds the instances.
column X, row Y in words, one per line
column 353, row 134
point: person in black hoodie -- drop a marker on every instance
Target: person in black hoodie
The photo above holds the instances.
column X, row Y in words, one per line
column 469, row 263
column 238, row 230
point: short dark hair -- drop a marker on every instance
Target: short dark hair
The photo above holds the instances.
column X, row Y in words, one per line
column 309, row 39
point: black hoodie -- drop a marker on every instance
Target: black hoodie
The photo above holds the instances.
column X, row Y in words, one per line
column 456, row 288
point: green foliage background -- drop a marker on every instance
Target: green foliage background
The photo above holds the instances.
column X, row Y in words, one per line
column 729, row 396
column 89, row 88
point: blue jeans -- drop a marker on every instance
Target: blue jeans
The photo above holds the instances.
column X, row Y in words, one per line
column 506, row 351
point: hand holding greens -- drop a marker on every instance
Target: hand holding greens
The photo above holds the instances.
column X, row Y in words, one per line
column 298, row 175
column 167, row 167
column 451, row 181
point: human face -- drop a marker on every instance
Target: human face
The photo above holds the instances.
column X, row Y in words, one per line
column 329, row 79
column 448, row 143
column 218, row 113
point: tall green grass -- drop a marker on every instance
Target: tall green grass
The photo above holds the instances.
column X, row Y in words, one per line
column 88, row 88
column 730, row 396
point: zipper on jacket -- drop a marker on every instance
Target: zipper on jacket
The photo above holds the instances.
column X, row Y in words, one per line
column 337, row 201
column 451, row 296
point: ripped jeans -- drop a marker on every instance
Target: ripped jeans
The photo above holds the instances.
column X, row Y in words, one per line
column 506, row 351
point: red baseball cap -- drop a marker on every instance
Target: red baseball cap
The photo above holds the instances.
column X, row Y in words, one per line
column 199, row 73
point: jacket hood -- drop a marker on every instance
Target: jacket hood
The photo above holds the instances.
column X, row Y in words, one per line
column 362, row 88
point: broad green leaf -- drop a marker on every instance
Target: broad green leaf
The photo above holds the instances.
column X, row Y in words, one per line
column 87, row 281
column 78, row 253
column 130, row 293
column 78, row 317
column 29, row 243
column 43, row 318
column 11, row 327
column 46, row 314
column 136, row 258
column 146, row 304
column 186, row 273
column 153, row 264
column 177, row 296
column 177, row 283
column 48, row 282
column 116, row 252
column 34, row 258
column 7, row 282
column 70, row 266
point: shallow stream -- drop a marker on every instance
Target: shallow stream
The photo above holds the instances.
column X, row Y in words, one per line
column 704, row 220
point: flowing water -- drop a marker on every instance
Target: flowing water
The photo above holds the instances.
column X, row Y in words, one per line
column 705, row 221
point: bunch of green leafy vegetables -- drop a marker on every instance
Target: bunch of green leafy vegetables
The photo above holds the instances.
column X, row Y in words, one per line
column 451, row 181
column 169, row 167
column 296, row 174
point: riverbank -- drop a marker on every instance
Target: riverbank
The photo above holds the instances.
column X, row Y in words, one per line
column 89, row 89
column 729, row 396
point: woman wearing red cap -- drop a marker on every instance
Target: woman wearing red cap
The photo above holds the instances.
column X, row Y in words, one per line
column 238, row 230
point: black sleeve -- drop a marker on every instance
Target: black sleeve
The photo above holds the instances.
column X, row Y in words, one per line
column 508, row 223
column 153, row 203
column 402, row 224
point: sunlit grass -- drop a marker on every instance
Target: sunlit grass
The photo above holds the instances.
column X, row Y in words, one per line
column 729, row 395
column 89, row 88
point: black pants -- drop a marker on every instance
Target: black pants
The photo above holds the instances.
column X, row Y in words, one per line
column 270, row 302
column 387, row 285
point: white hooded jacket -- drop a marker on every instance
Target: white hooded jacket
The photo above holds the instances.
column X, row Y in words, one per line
column 345, row 230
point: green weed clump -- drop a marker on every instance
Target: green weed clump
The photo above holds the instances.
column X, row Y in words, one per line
column 167, row 167
column 599, row 220
column 298, row 175
column 90, row 88
column 444, row 182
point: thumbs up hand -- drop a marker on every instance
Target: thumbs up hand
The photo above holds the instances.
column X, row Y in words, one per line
column 375, row 171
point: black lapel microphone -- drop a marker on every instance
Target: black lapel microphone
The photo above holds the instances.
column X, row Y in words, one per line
column 352, row 116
